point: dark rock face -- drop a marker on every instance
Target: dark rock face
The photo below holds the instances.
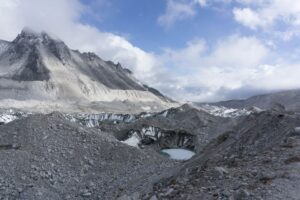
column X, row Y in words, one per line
column 112, row 75
column 34, row 70
column 177, row 139
column 57, row 48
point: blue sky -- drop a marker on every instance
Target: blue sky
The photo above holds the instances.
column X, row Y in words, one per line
column 138, row 21
column 191, row 50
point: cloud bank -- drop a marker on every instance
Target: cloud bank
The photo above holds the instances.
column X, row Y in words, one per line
column 238, row 66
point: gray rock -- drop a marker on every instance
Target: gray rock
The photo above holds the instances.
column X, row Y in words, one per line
column 241, row 195
column 220, row 171
column 99, row 167
column 153, row 198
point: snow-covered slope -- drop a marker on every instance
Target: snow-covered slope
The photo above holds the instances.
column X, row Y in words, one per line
column 36, row 66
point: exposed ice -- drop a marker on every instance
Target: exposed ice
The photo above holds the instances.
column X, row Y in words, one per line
column 11, row 115
column 222, row 111
column 133, row 141
column 6, row 118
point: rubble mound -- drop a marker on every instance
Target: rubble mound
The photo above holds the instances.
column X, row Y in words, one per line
column 257, row 159
column 48, row 157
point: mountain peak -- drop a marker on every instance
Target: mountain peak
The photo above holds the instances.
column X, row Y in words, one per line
column 51, row 70
column 31, row 36
column 28, row 31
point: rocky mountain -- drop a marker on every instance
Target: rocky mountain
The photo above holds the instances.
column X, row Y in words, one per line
column 290, row 99
column 36, row 67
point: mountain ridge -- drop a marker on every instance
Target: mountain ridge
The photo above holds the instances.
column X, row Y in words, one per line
column 288, row 98
column 37, row 66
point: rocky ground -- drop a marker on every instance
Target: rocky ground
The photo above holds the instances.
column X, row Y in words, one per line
column 254, row 156
column 258, row 159
column 48, row 157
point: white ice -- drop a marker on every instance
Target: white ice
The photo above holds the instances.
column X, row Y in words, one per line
column 133, row 141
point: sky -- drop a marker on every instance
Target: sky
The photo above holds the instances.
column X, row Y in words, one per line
column 190, row 50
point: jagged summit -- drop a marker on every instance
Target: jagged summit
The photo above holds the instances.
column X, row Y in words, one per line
column 38, row 66
column 29, row 34
column 29, row 39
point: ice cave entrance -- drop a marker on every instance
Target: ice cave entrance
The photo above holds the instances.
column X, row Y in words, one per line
column 178, row 154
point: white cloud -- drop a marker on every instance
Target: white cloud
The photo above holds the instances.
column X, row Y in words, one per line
column 267, row 14
column 234, row 67
column 234, row 51
column 201, row 2
column 280, row 18
column 186, row 57
column 249, row 2
column 247, row 17
column 177, row 11
column 237, row 51
column 229, row 65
